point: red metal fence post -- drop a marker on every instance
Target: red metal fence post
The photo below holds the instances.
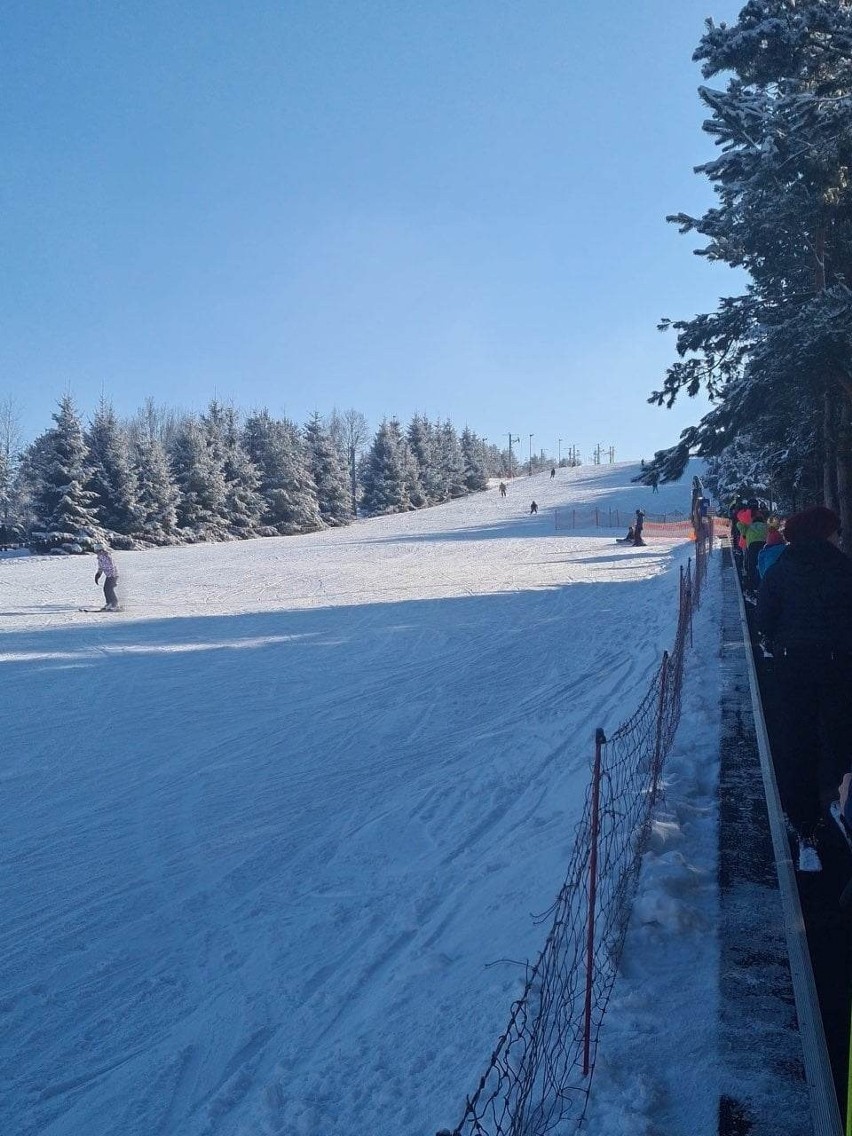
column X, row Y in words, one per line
column 600, row 742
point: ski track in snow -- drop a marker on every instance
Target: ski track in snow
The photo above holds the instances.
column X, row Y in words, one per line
column 264, row 830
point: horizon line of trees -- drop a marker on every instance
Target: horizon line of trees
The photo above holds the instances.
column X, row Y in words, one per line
column 168, row 477
column 775, row 360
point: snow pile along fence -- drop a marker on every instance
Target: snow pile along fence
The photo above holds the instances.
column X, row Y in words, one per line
column 540, row 1072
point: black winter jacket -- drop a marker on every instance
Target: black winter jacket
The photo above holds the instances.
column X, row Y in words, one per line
column 805, row 599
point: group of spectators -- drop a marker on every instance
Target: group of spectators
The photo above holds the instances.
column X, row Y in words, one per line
column 801, row 583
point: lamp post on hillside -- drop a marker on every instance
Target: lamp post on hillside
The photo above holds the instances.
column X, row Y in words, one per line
column 516, row 438
column 531, row 438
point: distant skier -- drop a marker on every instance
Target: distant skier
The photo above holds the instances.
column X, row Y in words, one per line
column 553, row 472
column 655, row 482
column 638, row 525
column 533, row 507
column 502, row 489
column 107, row 569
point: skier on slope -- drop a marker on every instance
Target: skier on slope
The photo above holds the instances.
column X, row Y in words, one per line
column 638, row 525
column 107, row 569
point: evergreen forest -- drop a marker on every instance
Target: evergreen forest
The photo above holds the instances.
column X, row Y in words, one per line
column 164, row 477
column 776, row 358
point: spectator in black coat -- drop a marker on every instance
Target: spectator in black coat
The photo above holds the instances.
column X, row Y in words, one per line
column 804, row 609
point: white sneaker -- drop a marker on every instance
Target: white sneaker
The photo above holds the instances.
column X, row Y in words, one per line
column 809, row 860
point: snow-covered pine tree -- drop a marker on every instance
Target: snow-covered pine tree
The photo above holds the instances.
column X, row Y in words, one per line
column 389, row 473
column 111, row 473
column 451, row 461
column 288, row 490
column 198, row 476
column 157, row 496
column 243, row 500
column 63, row 508
column 329, row 473
column 423, row 443
column 351, row 434
column 475, row 458
column 784, row 215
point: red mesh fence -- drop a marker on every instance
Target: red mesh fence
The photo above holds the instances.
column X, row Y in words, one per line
column 604, row 518
column 540, row 1072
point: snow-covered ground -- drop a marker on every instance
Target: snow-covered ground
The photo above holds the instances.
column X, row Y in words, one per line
column 273, row 837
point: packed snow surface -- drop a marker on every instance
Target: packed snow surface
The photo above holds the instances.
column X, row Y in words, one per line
column 274, row 836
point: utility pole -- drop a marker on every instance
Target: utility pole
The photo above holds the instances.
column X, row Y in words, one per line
column 531, row 438
column 611, row 452
column 596, row 456
column 511, row 464
column 559, row 462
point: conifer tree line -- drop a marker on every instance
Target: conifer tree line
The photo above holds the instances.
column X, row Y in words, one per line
column 163, row 477
column 775, row 359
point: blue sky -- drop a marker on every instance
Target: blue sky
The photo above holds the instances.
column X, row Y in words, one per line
column 456, row 207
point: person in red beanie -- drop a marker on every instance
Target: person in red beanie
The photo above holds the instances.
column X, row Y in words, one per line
column 804, row 609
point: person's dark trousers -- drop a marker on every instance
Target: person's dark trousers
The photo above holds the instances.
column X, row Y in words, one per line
column 752, row 579
column 815, row 699
column 109, row 590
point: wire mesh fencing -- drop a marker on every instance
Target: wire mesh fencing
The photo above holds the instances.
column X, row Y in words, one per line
column 539, row 1076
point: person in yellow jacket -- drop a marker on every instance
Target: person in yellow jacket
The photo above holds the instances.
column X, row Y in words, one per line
column 754, row 534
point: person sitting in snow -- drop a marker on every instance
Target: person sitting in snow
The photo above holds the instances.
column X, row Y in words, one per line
column 107, row 569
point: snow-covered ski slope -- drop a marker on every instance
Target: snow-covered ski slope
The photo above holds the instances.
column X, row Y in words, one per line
column 273, row 837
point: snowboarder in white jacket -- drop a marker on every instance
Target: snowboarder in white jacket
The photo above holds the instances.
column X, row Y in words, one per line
column 107, row 569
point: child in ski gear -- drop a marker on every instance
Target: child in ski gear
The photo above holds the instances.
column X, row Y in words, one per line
column 553, row 472
column 107, row 569
column 775, row 545
column 502, row 489
column 804, row 608
column 533, row 507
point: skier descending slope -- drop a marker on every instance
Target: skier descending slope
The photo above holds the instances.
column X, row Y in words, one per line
column 107, row 569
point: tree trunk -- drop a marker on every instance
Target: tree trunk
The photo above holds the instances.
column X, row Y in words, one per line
column 353, row 477
column 844, row 476
column 829, row 458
